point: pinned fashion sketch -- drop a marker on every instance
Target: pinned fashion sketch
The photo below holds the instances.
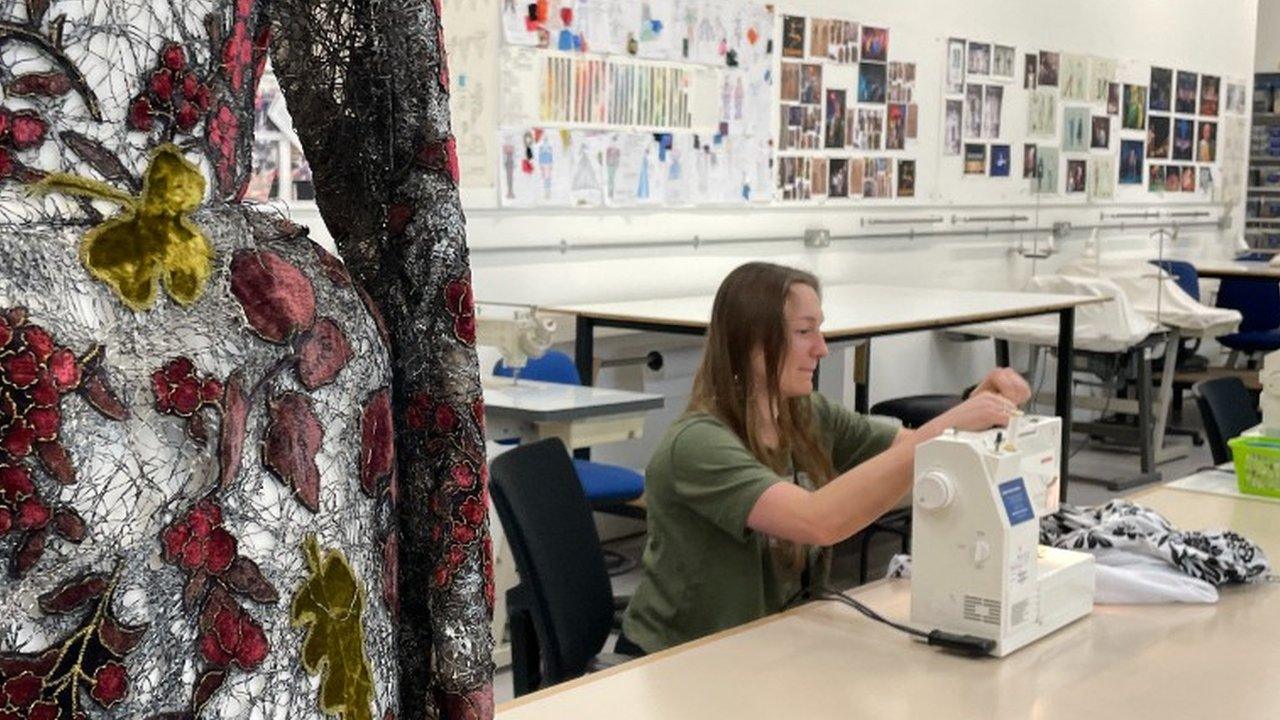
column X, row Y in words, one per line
column 1003, row 60
column 973, row 111
column 979, row 58
column 1074, row 78
column 1101, row 177
column 1048, row 69
column 1102, row 73
column 1045, row 178
column 1042, row 113
column 951, row 127
column 956, row 57
column 992, row 105
column 1030, row 71
column 1076, row 129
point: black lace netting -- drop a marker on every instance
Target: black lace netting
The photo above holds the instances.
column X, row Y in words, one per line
column 92, row 87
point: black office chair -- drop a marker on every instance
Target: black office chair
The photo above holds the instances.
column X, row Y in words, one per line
column 1227, row 409
column 562, row 611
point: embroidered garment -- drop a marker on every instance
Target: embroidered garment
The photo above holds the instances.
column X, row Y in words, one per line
column 218, row 464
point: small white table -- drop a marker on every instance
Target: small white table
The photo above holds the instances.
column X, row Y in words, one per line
column 579, row 415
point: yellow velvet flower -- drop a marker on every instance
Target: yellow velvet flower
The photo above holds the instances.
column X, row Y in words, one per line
column 331, row 605
column 152, row 239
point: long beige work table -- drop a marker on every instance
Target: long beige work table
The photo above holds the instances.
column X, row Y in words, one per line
column 1237, row 269
column 824, row 660
column 853, row 312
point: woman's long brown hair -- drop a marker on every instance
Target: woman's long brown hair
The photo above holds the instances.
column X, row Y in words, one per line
column 749, row 313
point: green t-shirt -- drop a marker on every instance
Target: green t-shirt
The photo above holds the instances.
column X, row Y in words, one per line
column 704, row 569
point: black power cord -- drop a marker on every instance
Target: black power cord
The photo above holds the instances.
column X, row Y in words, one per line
column 969, row 645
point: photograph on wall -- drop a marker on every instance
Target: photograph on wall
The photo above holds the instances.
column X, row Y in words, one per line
column 1001, row 161
column 1173, row 179
column 850, row 127
column 1075, row 176
column 1135, row 107
column 1188, row 178
column 1206, row 140
column 1049, row 70
column 819, row 37
column 1042, row 113
column 1073, row 77
column 1045, row 178
column 789, row 82
column 792, row 36
column 1206, row 180
column 1158, row 137
column 871, row 82
column 1183, row 138
column 870, row 131
column 1185, row 94
column 857, row 177
column 902, row 82
column 818, row 177
column 835, row 118
column 906, row 178
column 1101, row 137
column 955, row 66
column 895, row 132
column 1102, row 73
column 1235, row 98
column 979, row 58
column 1029, row 71
column 973, row 111
column 811, row 84
column 1209, row 95
column 1155, row 178
column 835, row 40
column 838, row 178
column 875, row 44
column 1028, row 160
column 975, row 159
column 877, row 179
column 1161, row 89
column 1113, row 98
column 1131, row 158
column 1003, row 62
column 951, row 127
column 913, row 121
column 1101, row 177
column 1077, row 125
column 992, row 105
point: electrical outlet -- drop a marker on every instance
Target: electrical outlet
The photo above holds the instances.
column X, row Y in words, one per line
column 817, row 238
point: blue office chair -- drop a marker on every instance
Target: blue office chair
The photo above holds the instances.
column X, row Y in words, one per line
column 1258, row 300
column 609, row 488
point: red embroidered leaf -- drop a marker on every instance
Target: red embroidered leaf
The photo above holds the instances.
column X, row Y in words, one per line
column 119, row 638
column 332, row 266
column 14, row 665
column 95, row 389
column 245, row 578
column 206, row 686
column 74, row 594
column 277, row 297
column 196, row 429
column 323, row 354
column 102, row 160
column 40, row 84
column 289, row 449
column 235, row 412
column 29, row 552
column 54, row 459
column 377, row 441
column 68, row 524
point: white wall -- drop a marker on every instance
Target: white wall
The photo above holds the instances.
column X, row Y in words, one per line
column 1268, row 45
column 1185, row 34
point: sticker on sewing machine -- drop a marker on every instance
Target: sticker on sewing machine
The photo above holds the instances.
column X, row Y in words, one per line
column 1017, row 505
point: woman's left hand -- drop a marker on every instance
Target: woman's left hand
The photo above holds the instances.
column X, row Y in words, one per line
column 1007, row 383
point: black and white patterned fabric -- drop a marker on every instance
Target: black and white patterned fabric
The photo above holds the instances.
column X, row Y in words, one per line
column 1215, row 557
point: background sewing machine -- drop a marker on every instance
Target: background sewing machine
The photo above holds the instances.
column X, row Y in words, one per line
column 977, row 565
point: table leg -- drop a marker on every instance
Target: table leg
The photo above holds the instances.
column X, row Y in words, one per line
column 1062, row 400
column 1165, row 397
column 862, row 376
column 1002, row 353
column 584, row 350
column 1145, row 440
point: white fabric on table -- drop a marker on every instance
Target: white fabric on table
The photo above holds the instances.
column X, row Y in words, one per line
column 1155, row 293
column 1109, row 327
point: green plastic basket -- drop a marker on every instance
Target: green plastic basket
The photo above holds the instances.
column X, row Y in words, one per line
column 1257, row 465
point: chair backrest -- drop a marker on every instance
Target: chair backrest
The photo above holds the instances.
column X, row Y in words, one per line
column 1257, row 299
column 554, row 367
column 1184, row 273
column 553, row 538
column 1227, row 409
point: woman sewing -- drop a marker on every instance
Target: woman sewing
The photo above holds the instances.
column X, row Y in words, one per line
column 761, row 472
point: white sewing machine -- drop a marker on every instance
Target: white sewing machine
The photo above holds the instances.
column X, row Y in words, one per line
column 1271, row 394
column 517, row 332
column 977, row 564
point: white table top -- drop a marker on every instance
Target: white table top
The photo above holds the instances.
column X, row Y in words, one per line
column 826, row 661
column 851, row 310
column 536, row 401
column 1237, row 268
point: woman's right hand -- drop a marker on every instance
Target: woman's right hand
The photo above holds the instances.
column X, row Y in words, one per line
column 980, row 412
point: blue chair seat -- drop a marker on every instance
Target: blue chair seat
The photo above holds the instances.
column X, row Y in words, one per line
column 1255, row 341
column 604, row 483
